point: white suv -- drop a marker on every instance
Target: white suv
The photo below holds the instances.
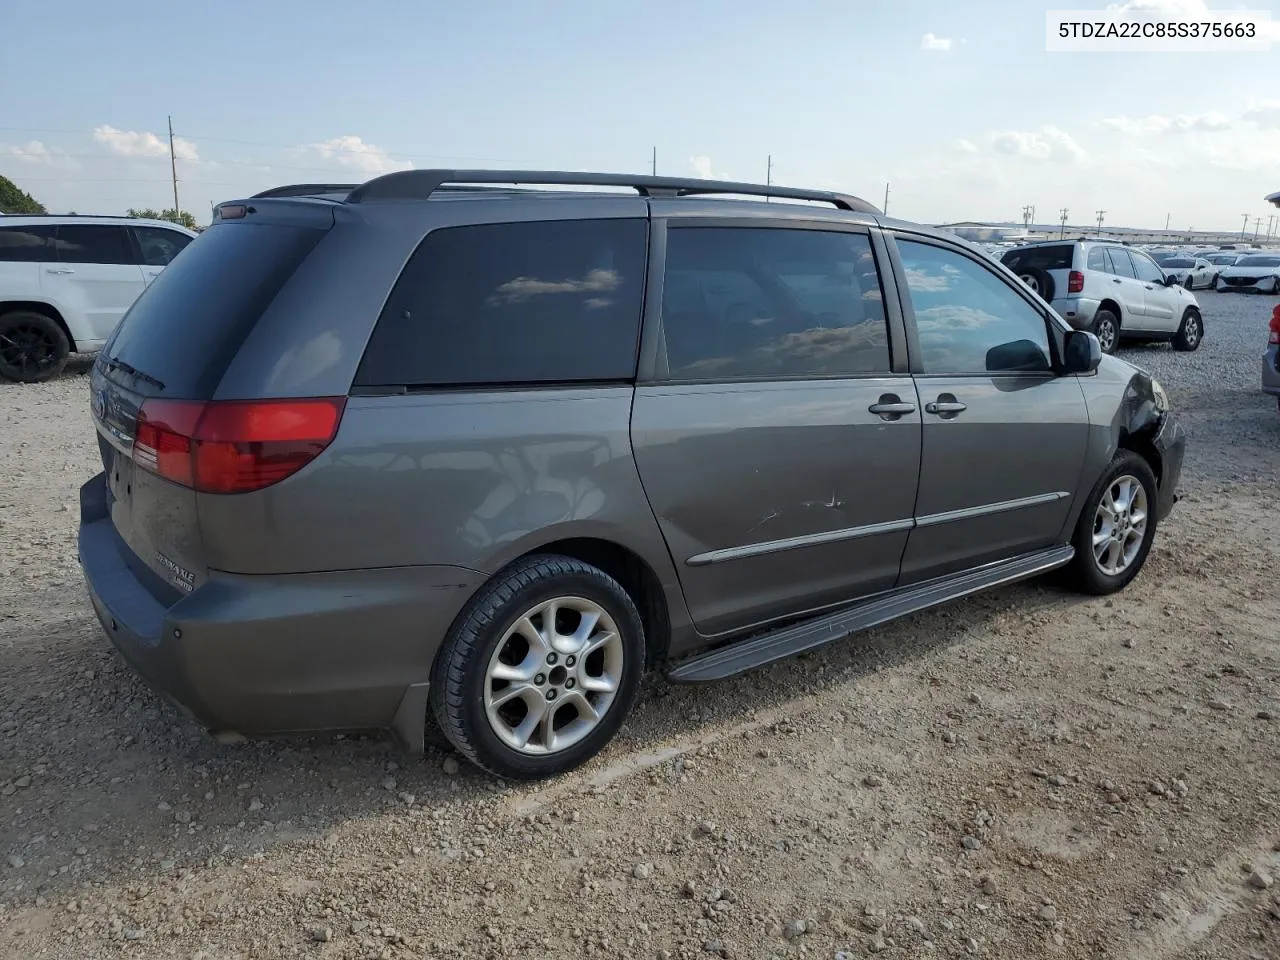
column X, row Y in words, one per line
column 1113, row 290
column 66, row 281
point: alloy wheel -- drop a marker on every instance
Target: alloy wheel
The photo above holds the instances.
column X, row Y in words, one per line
column 553, row 676
column 27, row 349
column 1119, row 525
column 1107, row 335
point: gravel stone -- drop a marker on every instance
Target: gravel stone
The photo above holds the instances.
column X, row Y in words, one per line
column 1048, row 913
column 642, row 871
column 450, row 766
column 1260, row 880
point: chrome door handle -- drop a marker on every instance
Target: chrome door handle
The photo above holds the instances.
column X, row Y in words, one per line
column 59, row 270
column 945, row 408
column 890, row 407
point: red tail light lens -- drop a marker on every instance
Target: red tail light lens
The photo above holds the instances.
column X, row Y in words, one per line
column 233, row 446
column 1075, row 281
column 1275, row 325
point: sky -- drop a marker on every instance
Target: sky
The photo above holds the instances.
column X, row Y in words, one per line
column 955, row 104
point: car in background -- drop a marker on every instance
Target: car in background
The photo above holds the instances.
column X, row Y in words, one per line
column 1221, row 259
column 1111, row 289
column 1191, row 272
column 1252, row 273
column 66, row 281
column 1271, row 359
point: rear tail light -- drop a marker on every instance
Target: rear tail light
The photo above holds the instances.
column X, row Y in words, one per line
column 1275, row 325
column 233, row 446
column 1075, row 281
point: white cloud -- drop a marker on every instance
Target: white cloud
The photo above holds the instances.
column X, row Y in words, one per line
column 930, row 42
column 33, row 152
column 1265, row 113
column 966, row 146
column 702, row 167
column 1155, row 124
column 1046, row 144
column 135, row 143
column 353, row 153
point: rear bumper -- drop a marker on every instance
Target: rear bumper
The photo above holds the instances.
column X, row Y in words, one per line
column 1170, row 441
column 1077, row 311
column 291, row 653
column 1271, row 370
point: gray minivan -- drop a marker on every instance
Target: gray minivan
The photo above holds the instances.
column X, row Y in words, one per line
column 440, row 446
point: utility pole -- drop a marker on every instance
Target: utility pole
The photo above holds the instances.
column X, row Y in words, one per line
column 1028, row 211
column 1245, row 227
column 173, row 168
column 1270, row 219
column 768, row 172
column 1167, row 218
column 1062, row 230
column 655, row 160
column 1257, row 225
column 885, row 208
column 1100, row 213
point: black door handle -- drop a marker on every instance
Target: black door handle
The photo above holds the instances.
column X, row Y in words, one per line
column 891, row 407
column 1115, row 279
column 946, row 406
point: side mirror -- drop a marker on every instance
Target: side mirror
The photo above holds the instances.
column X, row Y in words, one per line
column 1081, row 352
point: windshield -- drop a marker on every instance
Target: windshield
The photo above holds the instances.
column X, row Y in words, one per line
column 1258, row 262
column 1174, row 263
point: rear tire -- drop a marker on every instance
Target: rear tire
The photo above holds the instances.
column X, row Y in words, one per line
column 1190, row 333
column 546, row 635
column 1106, row 327
column 1190, row 282
column 1092, row 570
column 33, row 347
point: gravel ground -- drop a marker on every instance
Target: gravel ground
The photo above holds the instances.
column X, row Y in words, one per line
column 1027, row 773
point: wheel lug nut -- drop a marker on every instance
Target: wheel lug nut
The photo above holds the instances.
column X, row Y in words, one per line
column 570, row 661
column 568, row 684
column 551, row 694
column 540, row 679
column 552, row 658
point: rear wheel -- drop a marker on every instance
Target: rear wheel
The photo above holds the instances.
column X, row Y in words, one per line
column 1116, row 526
column 1190, row 282
column 541, row 668
column 1040, row 281
column 1190, row 332
column 1106, row 327
column 32, row 347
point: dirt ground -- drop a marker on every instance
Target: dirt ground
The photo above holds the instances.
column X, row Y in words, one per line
column 1028, row 773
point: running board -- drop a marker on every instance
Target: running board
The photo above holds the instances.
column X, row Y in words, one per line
column 799, row 638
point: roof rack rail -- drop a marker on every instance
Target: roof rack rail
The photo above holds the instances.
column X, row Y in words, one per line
column 421, row 184
column 305, row 190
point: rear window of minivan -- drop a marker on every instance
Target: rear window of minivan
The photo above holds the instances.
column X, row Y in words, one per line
column 188, row 324
column 1057, row 257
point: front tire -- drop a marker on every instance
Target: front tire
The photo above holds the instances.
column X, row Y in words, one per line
column 1190, row 332
column 1106, row 327
column 1190, row 282
column 1116, row 527
column 540, row 669
column 33, row 347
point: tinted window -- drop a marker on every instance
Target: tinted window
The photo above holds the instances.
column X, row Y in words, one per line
column 189, row 322
column 968, row 319
column 1057, row 257
column 159, row 245
column 1120, row 263
column 764, row 303
column 1258, row 262
column 93, row 243
column 26, row 244
column 1098, row 259
column 548, row 302
column 1176, row 263
column 1146, row 268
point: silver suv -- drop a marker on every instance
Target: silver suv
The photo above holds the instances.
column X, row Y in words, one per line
column 433, row 449
column 1111, row 289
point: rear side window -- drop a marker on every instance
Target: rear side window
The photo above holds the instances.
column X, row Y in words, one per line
column 1056, row 257
column 26, row 244
column 553, row 301
column 93, row 243
column 189, row 322
column 766, row 303
column 1121, row 265
column 1097, row 260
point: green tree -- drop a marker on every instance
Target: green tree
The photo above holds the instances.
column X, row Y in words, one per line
column 173, row 216
column 13, row 200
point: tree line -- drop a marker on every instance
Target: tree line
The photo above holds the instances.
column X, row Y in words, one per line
column 17, row 201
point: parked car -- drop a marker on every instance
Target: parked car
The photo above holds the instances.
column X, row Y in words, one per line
column 1191, row 272
column 1111, row 289
column 1255, row 273
column 1221, row 259
column 1271, row 359
column 65, row 282
column 486, row 455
